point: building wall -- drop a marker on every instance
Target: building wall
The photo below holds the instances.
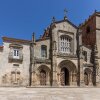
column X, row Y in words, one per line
column 60, row 60
column 7, row 67
column 37, row 48
column 89, row 38
column 64, row 28
column 98, row 46
column 98, row 33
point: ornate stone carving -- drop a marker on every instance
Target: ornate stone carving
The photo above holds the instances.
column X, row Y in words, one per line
column 41, row 60
column 13, row 78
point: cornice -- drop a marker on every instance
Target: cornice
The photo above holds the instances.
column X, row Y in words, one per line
column 14, row 40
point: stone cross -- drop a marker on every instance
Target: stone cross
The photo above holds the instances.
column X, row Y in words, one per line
column 65, row 12
column 53, row 19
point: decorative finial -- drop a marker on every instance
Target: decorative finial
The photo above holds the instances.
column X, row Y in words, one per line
column 33, row 37
column 40, row 36
column 65, row 14
column 53, row 19
column 95, row 11
column 44, row 30
column 33, row 33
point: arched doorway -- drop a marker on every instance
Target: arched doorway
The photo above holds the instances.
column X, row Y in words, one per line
column 87, row 76
column 42, row 77
column 68, row 73
column 86, row 79
column 64, row 77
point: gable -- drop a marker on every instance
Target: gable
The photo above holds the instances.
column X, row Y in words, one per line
column 66, row 25
column 66, row 21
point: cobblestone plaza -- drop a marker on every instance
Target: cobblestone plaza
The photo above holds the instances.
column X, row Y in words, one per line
column 49, row 93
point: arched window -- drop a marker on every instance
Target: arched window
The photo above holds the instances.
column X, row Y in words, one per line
column 87, row 76
column 65, row 44
column 43, row 51
column 85, row 55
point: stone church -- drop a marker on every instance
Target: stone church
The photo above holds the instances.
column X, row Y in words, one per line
column 65, row 55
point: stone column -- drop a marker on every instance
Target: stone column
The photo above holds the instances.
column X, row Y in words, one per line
column 90, row 80
column 54, row 68
column 81, row 74
column 33, row 78
column 58, row 78
column 53, row 48
column 54, row 77
column 48, row 80
column 71, row 75
column 74, row 78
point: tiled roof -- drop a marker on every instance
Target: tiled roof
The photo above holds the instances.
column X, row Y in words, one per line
column 7, row 39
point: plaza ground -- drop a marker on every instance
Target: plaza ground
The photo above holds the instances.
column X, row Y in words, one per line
column 7, row 93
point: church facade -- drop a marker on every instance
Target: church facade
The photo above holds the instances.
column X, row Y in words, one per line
column 65, row 55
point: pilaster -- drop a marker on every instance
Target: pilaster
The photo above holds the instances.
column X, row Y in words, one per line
column 81, row 73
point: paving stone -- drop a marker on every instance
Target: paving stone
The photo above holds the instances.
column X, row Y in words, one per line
column 49, row 93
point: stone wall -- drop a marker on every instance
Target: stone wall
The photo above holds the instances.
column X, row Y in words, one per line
column 37, row 48
column 8, row 69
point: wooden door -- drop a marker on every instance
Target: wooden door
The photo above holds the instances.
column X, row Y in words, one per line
column 62, row 78
column 42, row 77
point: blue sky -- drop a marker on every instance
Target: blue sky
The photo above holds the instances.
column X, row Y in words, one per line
column 20, row 18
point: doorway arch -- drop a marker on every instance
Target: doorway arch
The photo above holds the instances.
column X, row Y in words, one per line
column 68, row 73
column 64, row 76
column 42, row 77
column 87, row 76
